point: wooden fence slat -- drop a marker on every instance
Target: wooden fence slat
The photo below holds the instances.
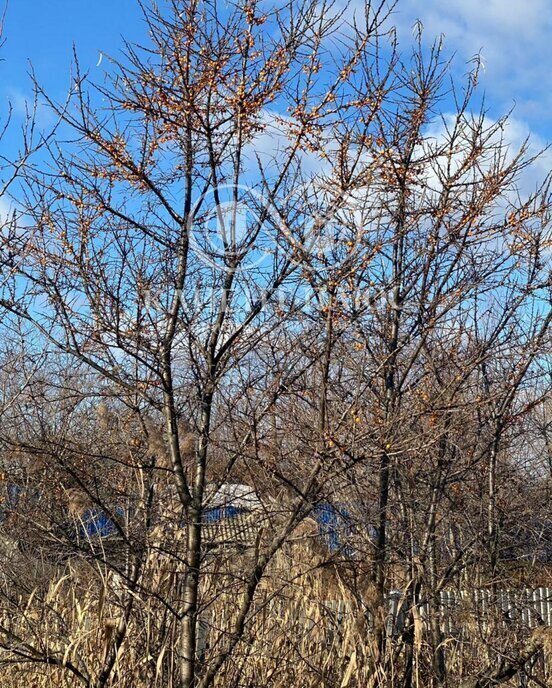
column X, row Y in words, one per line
column 528, row 607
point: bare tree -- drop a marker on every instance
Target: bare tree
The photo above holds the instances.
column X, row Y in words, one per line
column 248, row 258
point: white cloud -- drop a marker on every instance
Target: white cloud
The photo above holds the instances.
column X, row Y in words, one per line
column 512, row 135
column 23, row 105
column 520, row 18
column 273, row 143
column 5, row 207
column 6, row 219
column 512, row 35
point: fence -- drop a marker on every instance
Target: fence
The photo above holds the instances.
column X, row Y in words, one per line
column 526, row 607
column 520, row 607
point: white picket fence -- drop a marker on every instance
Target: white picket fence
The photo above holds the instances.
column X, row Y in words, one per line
column 526, row 607
column 523, row 607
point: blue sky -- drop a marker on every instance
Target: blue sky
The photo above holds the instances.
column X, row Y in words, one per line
column 43, row 33
column 514, row 37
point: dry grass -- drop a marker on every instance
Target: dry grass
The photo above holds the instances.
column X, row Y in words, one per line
column 307, row 628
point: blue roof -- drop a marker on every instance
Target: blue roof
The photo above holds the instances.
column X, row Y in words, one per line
column 335, row 525
column 95, row 523
column 334, row 522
